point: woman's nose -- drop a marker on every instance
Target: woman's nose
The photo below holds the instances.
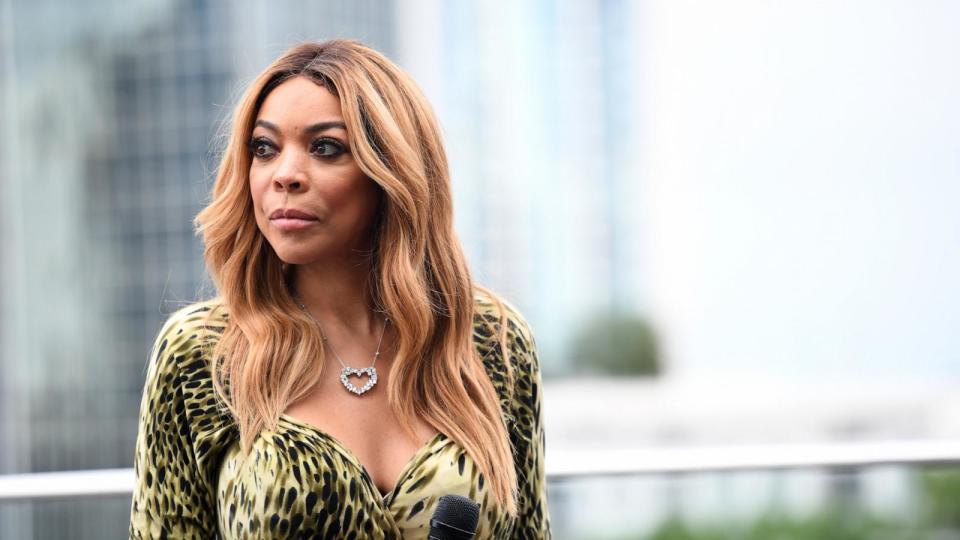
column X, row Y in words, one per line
column 290, row 174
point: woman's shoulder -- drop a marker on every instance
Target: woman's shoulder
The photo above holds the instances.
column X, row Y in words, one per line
column 187, row 333
column 505, row 341
column 197, row 319
column 180, row 365
column 492, row 313
column 183, row 429
column 197, row 315
column 518, row 381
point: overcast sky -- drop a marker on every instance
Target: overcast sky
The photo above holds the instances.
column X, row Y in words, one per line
column 800, row 166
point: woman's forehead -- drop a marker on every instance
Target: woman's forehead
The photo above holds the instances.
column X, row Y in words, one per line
column 299, row 103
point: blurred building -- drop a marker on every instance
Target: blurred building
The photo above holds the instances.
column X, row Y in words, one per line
column 536, row 101
column 109, row 112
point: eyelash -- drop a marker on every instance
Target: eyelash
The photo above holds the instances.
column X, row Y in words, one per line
column 337, row 146
column 339, row 149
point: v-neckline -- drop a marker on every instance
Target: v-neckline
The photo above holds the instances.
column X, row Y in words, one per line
column 352, row 457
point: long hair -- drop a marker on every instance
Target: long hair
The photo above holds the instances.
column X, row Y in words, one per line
column 267, row 356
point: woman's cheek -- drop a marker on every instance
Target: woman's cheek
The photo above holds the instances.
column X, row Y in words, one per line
column 256, row 196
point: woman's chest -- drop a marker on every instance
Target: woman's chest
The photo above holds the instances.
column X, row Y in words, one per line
column 367, row 427
column 299, row 482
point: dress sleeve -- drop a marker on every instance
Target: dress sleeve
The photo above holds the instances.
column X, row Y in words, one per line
column 533, row 518
column 170, row 497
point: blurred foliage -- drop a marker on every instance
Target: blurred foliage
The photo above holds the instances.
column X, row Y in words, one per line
column 618, row 344
column 827, row 525
column 941, row 488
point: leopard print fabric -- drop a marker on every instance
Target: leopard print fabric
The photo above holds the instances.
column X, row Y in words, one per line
column 193, row 482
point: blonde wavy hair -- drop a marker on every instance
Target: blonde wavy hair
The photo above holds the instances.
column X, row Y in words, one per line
column 267, row 356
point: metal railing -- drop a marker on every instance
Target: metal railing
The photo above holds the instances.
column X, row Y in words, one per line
column 569, row 464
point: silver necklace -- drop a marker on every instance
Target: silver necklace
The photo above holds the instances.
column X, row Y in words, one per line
column 347, row 371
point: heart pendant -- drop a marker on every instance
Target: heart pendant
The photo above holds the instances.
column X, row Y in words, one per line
column 370, row 372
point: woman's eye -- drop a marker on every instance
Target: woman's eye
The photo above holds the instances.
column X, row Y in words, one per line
column 261, row 148
column 326, row 148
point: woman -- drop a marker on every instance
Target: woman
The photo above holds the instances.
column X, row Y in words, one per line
column 349, row 373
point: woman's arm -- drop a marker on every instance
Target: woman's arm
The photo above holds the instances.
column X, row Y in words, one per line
column 533, row 518
column 170, row 497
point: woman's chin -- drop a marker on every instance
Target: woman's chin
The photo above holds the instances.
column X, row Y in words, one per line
column 298, row 256
column 301, row 254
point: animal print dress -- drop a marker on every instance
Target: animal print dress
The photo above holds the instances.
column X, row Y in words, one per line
column 298, row 482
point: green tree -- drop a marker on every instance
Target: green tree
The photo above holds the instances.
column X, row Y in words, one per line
column 941, row 488
column 825, row 525
column 619, row 344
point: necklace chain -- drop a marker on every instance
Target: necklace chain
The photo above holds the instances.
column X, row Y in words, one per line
column 345, row 373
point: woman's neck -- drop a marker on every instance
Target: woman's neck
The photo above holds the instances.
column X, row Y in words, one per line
column 336, row 293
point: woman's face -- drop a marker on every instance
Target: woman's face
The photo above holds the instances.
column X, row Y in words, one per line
column 311, row 200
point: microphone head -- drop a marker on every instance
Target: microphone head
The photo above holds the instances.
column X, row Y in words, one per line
column 456, row 517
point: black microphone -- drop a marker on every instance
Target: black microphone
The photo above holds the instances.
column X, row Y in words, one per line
column 456, row 518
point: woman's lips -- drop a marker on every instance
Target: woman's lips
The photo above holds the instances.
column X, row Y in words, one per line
column 292, row 224
column 291, row 219
column 292, row 213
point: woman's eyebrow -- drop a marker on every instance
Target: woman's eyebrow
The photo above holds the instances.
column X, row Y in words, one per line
column 323, row 126
column 313, row 128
